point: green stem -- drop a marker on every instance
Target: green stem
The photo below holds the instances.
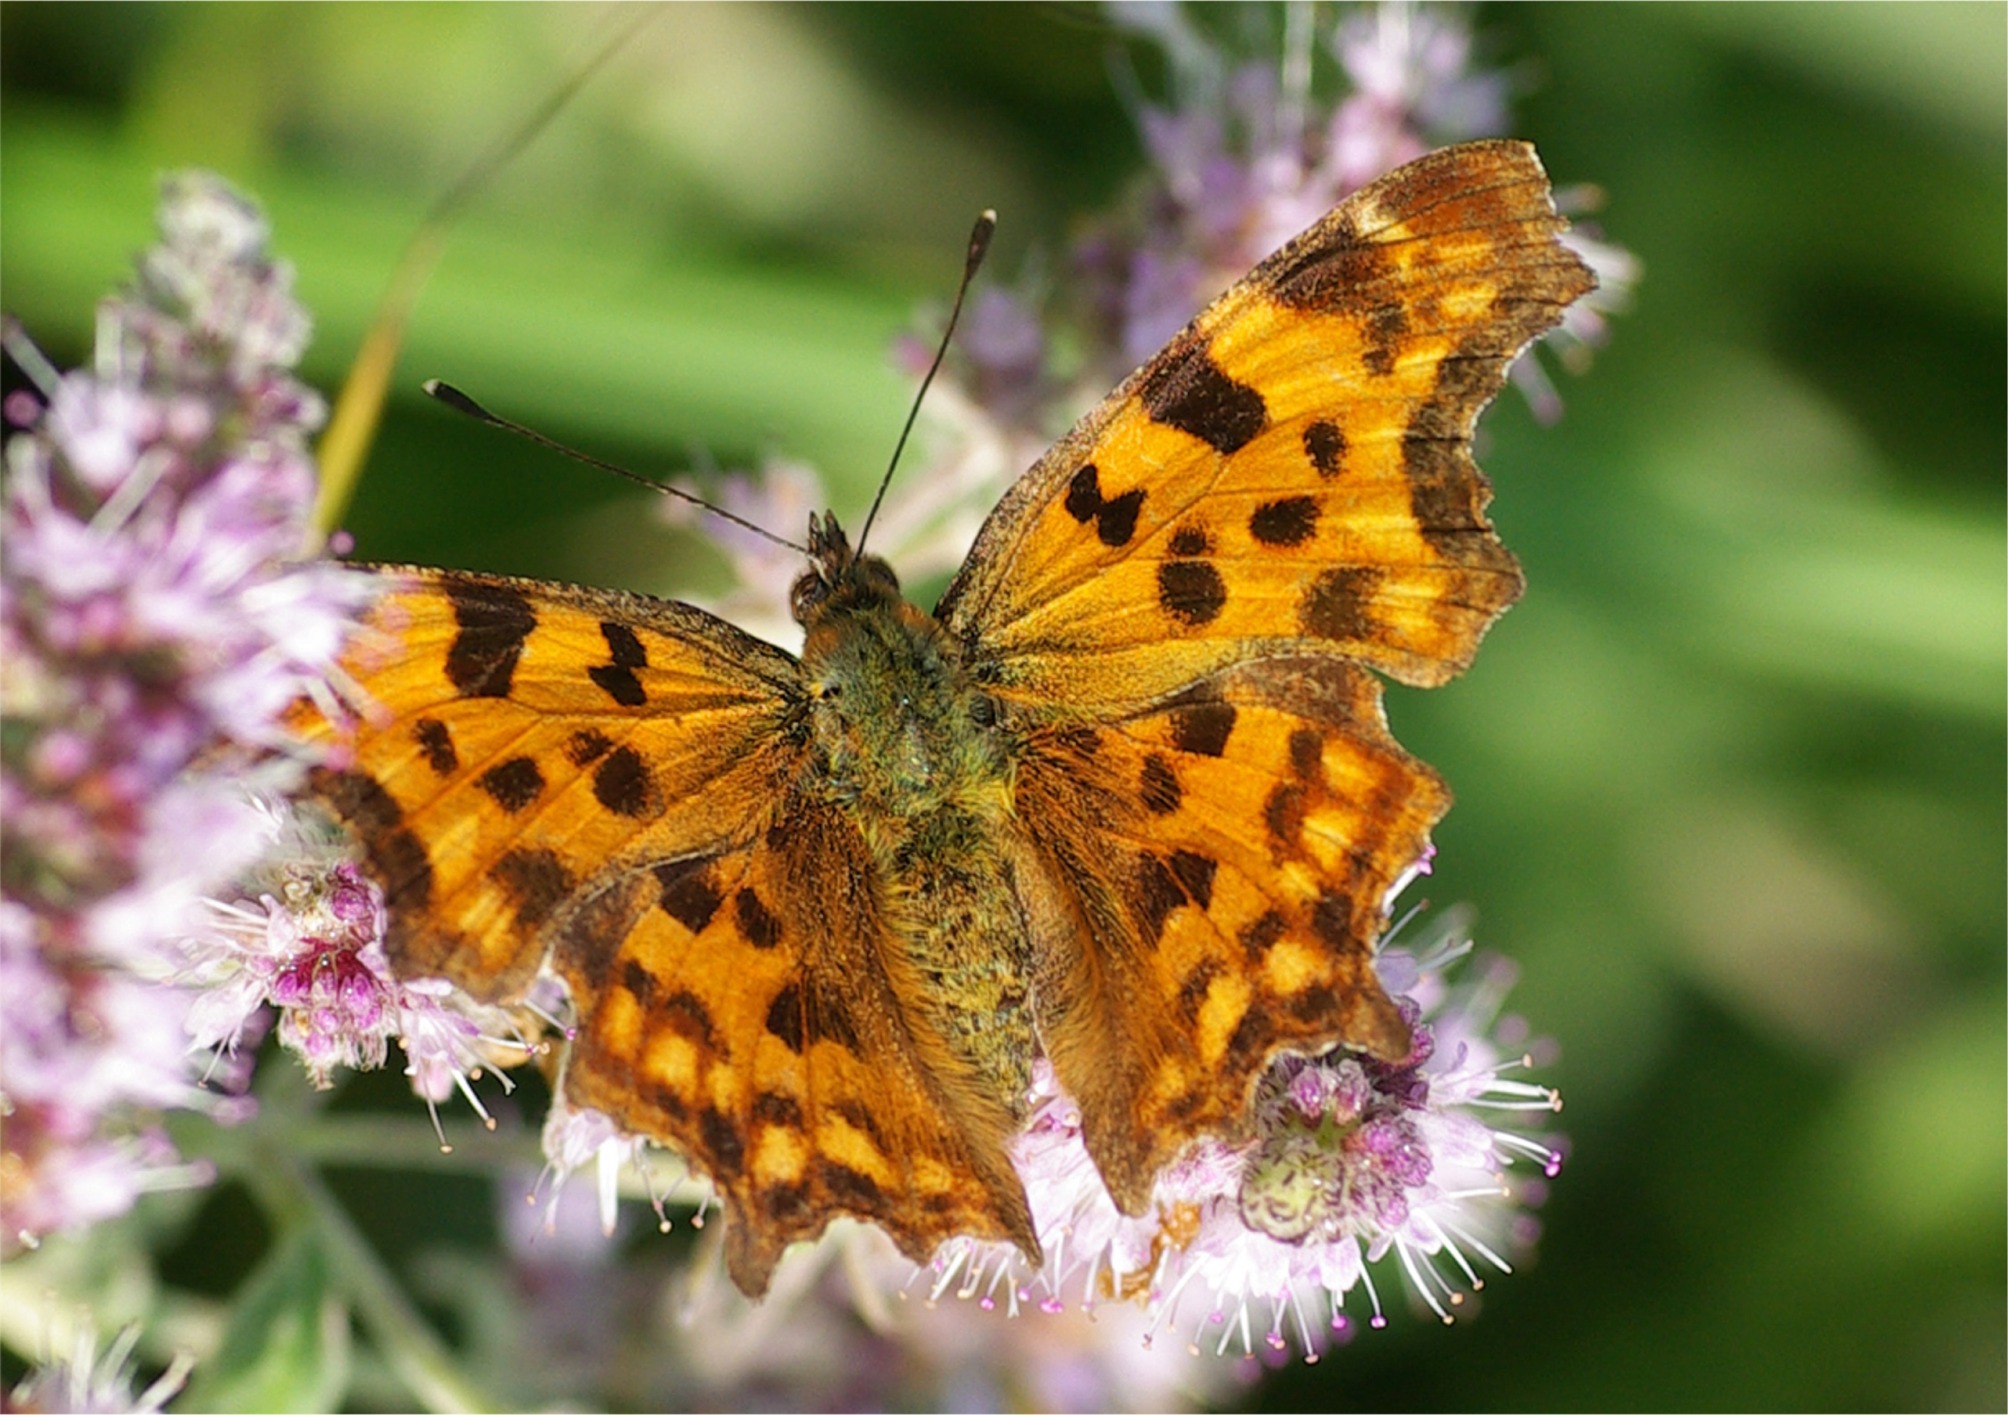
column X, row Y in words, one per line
column 291, row 1192
column 403, row 1142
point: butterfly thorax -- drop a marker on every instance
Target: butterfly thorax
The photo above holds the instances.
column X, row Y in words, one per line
column 900, row 728
column 906, row 745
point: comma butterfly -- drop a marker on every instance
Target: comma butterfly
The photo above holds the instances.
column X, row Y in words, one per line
column 1126, row 798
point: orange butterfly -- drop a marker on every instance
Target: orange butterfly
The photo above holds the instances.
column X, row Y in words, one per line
column 1127, row 798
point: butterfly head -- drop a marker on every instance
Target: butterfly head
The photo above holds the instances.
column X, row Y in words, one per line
column 839, row 581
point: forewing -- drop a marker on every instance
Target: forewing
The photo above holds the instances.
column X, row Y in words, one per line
column 1294, row 471
column 522, row 743
column 1208, row 879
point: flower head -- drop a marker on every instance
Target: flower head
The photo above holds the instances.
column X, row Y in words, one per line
column 81, row 1380
column 1346, row 1160
column 312, row 947
column 156, row 618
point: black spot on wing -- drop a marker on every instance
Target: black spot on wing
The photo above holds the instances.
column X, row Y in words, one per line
column 513, row 784
column 1334, row 605
column 1289, row 521
column 1191, row 591
column 1253, row 1036
column 621, row 783
column 535, row 881
column 1194, row 873
column 1190, row 392
column 761, row 928
column 829, row 1020
column 785, row 1020
column 685, row 1014
column 1192, row 992
column 1114, row 518
column 724, row 1152
column 1325, row 445
column 1157, row 895
column 860, row 1118
column 625, row 649
column 1084, row 493
column 494, row 621
column 687, row 894
column 1190, row 540
column 639, row 981
column 1261, row 935
column 1202, row 728
column 435, row 742
column 1332, row 919
column 1161, row 791
column 857, row 1192
column 1283, row 814
column 616, row 678
column 800, row 1018
column 1117, row 521
column 586, row 746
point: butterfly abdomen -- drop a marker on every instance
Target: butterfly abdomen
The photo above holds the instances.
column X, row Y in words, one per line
column 906, row 747
column 964, row 935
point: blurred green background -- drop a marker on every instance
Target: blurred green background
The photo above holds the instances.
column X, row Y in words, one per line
column 1730, row 780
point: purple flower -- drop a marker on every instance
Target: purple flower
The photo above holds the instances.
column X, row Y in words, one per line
column 312, row 947
column 1351, row 1171
column 1245, row 155
column 1262, row 1241
column 1414, row 88
column 780, row 497
column 81, row 1380
column 156, row 618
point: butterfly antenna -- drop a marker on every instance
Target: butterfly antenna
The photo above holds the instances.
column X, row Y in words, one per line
column 358, row 408
column 979, row 245
column 461, row 403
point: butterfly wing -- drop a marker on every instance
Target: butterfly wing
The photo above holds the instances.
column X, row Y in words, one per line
column 618, row 785
column 1293, row 472
column 751, row 1012
column 1192, row 579
column 523, row 742
column 1209, row 877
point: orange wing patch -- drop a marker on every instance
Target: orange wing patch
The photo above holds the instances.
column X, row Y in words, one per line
column 752, row 1016
column 1214, row 872
column 528, row 743
column 1293, row 472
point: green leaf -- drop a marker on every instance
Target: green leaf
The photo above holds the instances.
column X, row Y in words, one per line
column 287, row 1347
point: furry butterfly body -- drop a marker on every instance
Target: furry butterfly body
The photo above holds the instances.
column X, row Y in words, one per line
column 1127, row 798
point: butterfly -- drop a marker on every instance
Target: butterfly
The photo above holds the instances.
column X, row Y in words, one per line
column 1126, row 799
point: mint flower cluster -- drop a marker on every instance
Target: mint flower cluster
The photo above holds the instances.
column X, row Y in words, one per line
column 1258, row 1243
column 158, row 612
